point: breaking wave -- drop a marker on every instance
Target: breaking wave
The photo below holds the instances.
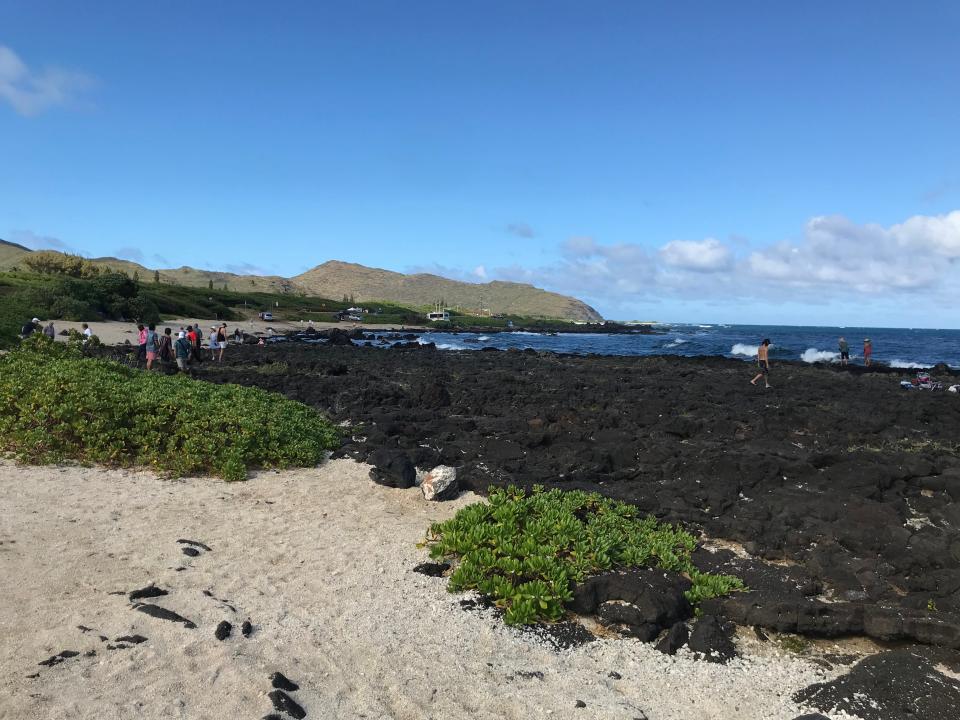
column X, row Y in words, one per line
column 908, row 365
column 812, row 355
column 743, row 349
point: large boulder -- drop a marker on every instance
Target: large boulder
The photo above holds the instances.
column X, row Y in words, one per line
column 440, row 484
column 392, row 468
column 712, row 637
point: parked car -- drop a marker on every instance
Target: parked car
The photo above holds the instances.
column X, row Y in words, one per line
column 265, row 316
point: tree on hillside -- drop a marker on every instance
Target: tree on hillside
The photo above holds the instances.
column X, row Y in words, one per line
column 136, row 276
column 210, row 284
column 156, row 276
column 47, row 262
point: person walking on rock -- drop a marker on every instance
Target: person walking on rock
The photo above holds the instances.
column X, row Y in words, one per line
column 763, row 360
column 844, row 351
column 867, row 351
column 152, row 345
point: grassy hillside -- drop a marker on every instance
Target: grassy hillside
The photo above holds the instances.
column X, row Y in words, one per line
column 10, row 253
column 336, row 279
column 332, row 279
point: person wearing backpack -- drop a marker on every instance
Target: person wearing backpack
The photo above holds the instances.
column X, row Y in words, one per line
column 182, row 349
column 152, row 345
column 166, row 347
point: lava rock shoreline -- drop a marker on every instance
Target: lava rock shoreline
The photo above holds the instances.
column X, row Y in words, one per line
column 842, row 489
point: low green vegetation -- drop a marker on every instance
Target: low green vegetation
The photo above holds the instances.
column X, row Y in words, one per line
column 56, row 405
column 525, row 550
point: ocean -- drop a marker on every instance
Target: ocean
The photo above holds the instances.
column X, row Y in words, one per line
column 897, row 347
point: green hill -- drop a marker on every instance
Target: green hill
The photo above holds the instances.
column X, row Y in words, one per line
column 336, row 279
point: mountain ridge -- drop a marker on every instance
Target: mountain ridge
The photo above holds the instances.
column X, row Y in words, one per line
column 336, row 278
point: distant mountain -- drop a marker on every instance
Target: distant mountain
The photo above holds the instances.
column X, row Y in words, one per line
column 334, row 279
column 9, row 252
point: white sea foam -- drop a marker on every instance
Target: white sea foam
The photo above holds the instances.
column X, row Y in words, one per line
column 812, row 355
column 483, row 337
column 705, row 327
column 907, row 364
column 743, row 349
column 675, row 342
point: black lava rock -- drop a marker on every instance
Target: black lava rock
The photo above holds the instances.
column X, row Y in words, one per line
column 581, row 704
column 192, row 552
column 284, row 703
column 246, row 629
column 131, row 639
column 282, row 682
column 674, row 639
column 712, row 637
column 195, row 543
column 164, row 614
column 639, row 603
column 148, row 592
column 432, row 569
column 58, row 658
column 392, row 468
column 223, row 630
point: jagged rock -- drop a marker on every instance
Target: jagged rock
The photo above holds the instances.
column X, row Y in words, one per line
column 246, row 629
column 284, row 703
column 440, row 484
column 894, row 685
column 223, row 630
column 712, row 637
column 432, row 569
column 639, row 603
column 164, row 614
column 675, row 639
column 282, row 682
column 392, row 468
column 148, row 592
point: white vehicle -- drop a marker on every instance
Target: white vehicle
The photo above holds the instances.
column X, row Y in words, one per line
column 438, row 316
column 268, row 316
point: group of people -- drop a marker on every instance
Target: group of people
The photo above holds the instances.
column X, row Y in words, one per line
column 763, row 358
column 187, row 347
column 845, row 351
column 29, row 328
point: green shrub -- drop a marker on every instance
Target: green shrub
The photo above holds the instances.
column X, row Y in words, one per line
column 527, row 550
column 55, row 405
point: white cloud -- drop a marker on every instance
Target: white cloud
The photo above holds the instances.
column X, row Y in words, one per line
column 32, row 240
column 834, row 258
column 31, row 91
column 129, row 253
column 708, row 255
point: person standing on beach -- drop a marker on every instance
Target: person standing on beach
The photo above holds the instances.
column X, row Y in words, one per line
column 141, row 342
column 182, row 348
column 867, row 351
column 50, row 331
column 221, row 340
column 152, row 345
column 87, row 333
column 763, row 360
column 166, row 347
column 844, row 351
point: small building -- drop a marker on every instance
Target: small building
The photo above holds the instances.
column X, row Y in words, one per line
column 438, row 316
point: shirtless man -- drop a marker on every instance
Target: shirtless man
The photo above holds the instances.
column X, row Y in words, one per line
column 763, row 360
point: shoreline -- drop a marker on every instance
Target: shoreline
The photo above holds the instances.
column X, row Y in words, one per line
column 334, row 606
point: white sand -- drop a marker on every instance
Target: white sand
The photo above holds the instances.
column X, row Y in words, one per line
column 320, row 560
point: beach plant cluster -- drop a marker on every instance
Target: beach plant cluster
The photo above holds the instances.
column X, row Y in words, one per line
column 56, row 405
column 527, row 550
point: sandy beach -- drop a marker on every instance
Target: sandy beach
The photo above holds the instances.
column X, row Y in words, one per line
column 320, row 561
column 114, row 332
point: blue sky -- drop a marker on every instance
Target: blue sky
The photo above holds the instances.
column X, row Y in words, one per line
column 715, row 162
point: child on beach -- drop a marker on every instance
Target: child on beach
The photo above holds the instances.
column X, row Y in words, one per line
column 763, row 360
column 867, row 351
